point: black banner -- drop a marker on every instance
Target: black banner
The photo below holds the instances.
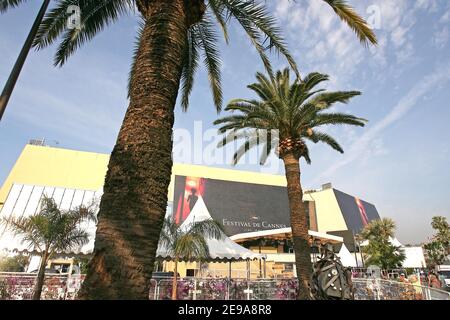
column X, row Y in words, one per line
column 239, row 207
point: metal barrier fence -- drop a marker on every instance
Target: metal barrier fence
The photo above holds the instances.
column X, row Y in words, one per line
column 19, row 286
column 225, row 289
column 285, row 289
column 380, row 289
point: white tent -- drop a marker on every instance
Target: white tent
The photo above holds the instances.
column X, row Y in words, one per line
column 284, row 233
column 414, row 255
column 393, row 241
column 219, row 250
column 347, row 258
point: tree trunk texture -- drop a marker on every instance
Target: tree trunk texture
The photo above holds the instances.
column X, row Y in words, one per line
column 299, row 225
column 40, row 277
column 174, row 281
column 134, row 201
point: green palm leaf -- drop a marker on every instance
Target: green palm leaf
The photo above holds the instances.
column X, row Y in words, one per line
column 5, row 5
column 295, row 109
column 347, row 14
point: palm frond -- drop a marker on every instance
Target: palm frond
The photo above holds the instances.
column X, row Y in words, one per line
column 206, row 37
column 327, row 99
column 327, row 139
column 244, row 148
column 96, row 16
column 137, row 40
column 255, row 19
column 189, row 242
column 293, row 109
column 347, row 14
column 269, row 141
column 312, row 80
column 189, row 68
column 191, row 246
column 306, row 155
column 208, row 229
column 337, row 119
column 219, row 12
column 6, row 5
column 52, row 229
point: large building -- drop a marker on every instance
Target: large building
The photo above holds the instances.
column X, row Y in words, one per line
column 239, row 199
column 244, row 202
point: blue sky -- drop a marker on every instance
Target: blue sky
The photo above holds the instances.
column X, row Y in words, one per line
column 399, row 161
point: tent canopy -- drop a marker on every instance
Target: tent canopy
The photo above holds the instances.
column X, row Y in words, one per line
column 393, row 241
column 347, row 259
column 282, row 234
column 224, row 249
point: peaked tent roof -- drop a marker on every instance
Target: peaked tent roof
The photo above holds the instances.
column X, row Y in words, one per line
column 393, row 241
column 284, row 233
column 219, row 250
column 347, row 259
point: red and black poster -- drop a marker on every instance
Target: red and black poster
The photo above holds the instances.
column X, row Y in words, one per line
column 239, row 207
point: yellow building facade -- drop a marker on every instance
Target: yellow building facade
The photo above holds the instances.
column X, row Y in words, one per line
column 57, row 167
column 48, row 166
column 329, row 209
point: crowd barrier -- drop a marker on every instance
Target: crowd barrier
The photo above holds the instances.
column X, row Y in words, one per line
column 19, row 286
column 380, row 289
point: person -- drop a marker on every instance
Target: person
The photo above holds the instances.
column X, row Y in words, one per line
column 370, row 288
column 402, row 278
column 415, row 282
column 433, row 281
column 192, row 198
column 423, row 278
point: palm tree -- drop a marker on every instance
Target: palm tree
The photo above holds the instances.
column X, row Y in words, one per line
column 51, row 231
column 173, row 37
column 297, row 112
column 379, row 250
column 438, row 246
column 188, row 243
column 12, row 79
column 384, row 229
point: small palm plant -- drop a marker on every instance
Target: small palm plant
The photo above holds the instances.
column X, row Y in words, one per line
column 380, row 251
column 188, row 243
column 50, row 231
column 297, row 112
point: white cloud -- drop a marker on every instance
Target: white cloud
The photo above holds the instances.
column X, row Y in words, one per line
column 363, row 145
column 440, row 38
column 322, row 42
column 445, row 17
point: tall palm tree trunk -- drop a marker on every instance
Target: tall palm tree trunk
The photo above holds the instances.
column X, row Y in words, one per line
column 14, row 75
column 40, row 277
column 174, row 280
column 299, row 224
column 134, row 201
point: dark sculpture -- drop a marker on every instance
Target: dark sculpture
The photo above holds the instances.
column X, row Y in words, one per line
column 330, row 279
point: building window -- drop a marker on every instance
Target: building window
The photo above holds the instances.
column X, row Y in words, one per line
column 190, row 272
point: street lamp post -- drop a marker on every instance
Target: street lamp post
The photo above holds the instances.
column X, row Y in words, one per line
column 14, row 75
